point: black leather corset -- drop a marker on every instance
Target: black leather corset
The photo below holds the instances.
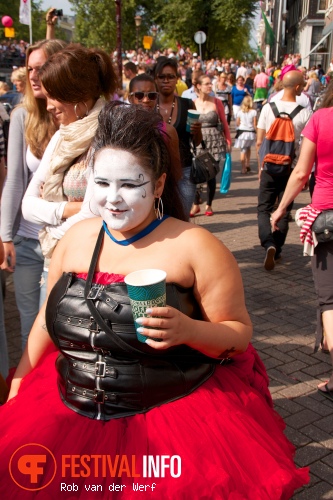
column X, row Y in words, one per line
column 107, row 373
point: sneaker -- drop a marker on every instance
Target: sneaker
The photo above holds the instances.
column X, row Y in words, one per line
column 269, row 261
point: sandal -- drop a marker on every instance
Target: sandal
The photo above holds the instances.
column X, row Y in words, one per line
column 196, row 211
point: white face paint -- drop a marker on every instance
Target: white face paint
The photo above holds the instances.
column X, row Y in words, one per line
column 124, row 191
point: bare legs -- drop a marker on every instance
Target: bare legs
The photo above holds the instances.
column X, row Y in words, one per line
column 245, row 157
column 328, row 328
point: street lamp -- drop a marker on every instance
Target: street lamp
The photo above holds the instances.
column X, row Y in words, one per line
column 138, row 20
column 154, row 30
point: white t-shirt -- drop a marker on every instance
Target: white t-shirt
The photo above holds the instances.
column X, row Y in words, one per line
column 246, row 119
column 302, row 99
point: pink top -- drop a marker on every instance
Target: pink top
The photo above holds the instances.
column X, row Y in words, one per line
column 261, row 81
column 319, row 131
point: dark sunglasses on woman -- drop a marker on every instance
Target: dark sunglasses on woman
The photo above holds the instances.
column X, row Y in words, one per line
column 152, row 96
column 167, row 77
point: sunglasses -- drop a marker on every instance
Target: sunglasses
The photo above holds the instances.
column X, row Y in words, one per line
column 152, row 96
column 167, row 77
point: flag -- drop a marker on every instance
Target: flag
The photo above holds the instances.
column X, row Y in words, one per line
column 260, row 54
column 25, row 12
column 269, row 33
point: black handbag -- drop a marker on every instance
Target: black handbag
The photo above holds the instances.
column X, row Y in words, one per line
column 323, row 226
column 204, row 166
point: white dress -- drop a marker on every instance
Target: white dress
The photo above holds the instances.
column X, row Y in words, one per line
column 246, row 135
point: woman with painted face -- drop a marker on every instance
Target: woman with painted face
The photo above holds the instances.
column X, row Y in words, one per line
column 190, row 393
column 76, row 82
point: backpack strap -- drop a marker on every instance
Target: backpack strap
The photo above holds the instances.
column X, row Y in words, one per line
column 274, row 109
column 296, row 111
column 291, row 115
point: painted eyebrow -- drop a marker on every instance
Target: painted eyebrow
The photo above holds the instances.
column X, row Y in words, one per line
column 122, row 180
column 134, row 180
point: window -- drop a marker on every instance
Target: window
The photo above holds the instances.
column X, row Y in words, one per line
column 322, row 5
column 305, row 8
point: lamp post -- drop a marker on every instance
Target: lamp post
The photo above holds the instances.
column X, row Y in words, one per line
column 154, row 30
column 118, row 42
column 138, row 20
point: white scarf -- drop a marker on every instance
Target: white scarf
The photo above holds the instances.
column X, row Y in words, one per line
column 74, row 140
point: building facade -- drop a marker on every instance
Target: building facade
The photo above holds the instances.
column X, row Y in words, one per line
column 301, row 27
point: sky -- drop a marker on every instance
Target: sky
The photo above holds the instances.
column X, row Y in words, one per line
column 58, row 4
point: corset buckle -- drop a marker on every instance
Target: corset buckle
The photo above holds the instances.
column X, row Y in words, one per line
column 100, row 368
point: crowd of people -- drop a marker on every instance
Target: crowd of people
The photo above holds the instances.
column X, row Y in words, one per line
column 98, row 186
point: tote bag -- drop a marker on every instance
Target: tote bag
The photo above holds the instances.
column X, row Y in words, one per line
column 226, row 175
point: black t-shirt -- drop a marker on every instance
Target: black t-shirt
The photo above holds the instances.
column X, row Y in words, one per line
column 184, row 137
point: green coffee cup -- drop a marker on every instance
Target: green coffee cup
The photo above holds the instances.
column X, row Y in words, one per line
column 146, row 288
column 192, row 117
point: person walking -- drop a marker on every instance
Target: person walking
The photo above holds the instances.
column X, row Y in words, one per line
column 246, row 122
column 217, row 142
column 271, row 186
column 317, row 147
column 238, row 92
column 260, row 88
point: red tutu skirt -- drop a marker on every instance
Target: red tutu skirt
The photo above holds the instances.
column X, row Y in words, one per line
column 223, row 441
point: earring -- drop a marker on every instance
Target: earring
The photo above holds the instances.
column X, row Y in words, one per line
column 91, row 210
column 75, row 110
column 158, row 207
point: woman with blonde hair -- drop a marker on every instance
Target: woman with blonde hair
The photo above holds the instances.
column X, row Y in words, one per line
column 4, row 88
column 246, row 122
column 31, row 128
column 312, row 87
column 19, row 79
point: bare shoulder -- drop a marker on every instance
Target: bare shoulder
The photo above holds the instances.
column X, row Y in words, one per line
column 196, row 239
column 78, row 242
column 82, row 231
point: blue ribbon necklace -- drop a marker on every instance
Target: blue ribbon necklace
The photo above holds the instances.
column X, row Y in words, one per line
column 155, row 223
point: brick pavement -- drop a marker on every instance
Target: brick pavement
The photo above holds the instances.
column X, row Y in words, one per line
column 283, row 311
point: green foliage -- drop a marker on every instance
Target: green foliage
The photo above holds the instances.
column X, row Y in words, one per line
column 227, row 23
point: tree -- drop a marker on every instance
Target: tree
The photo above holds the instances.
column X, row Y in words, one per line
column 227, row 23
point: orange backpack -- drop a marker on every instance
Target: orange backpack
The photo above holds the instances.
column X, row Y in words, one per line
column 277, row 151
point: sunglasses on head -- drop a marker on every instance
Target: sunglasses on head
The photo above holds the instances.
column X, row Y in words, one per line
column 168, row 77
column 152, row 96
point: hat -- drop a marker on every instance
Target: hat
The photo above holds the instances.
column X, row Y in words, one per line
column 195, row 54
column 286, row 69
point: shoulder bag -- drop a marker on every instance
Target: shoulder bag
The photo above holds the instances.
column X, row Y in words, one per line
column 204, row 166
column 323, row 226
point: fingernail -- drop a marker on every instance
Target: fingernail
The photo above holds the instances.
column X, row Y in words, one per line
column 140, row 329
column 139, row 321
column 149, row 310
